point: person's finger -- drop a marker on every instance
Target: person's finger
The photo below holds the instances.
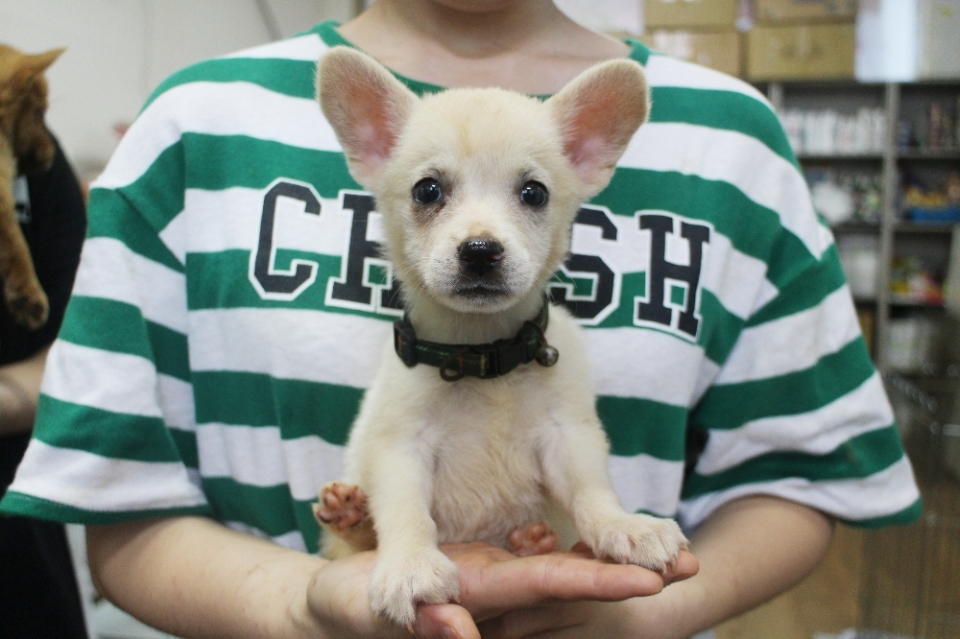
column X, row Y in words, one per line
column 685, row 567
column 533, row 581
column 517, row 624
column 444, row 621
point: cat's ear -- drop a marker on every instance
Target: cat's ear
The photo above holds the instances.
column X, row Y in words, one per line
column 23, row 70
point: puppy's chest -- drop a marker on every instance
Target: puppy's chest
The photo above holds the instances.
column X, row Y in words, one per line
column 487, row 470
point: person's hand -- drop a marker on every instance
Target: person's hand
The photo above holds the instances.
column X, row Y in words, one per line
column 503, row 594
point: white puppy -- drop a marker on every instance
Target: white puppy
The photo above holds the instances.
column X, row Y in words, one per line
column 478, row 189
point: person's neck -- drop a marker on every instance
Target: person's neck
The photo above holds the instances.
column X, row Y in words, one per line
column 527, row 46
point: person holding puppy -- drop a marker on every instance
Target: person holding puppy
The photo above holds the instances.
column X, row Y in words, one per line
column 227, row 312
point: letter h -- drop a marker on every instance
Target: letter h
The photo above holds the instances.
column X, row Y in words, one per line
column 655, row 310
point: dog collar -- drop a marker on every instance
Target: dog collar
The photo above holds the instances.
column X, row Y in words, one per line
column 485, row 361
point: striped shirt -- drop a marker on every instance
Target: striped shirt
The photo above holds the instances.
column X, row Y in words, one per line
column 231, row 306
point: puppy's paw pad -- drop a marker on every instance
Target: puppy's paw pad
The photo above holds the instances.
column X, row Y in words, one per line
column 535, row 539
column 652, row 542
column 399, row 584
column 341, row 506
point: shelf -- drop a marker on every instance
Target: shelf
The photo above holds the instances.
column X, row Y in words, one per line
column 931, row 228
column 905, row 227
column 856, row 228
column 936, row 155
column 929, row 154
column 867, row 114
column 840, row 157
column 896, row 302
column 908, row 303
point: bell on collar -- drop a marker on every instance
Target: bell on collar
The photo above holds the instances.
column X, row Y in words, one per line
column 547, row 355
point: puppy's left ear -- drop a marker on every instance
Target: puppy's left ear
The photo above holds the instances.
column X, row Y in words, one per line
column 598, row 113
column 366, row 106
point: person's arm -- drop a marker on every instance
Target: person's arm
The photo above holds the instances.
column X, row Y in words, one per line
column 749, row 550
column 19, row 392
column 195, row 578
column 754, row 549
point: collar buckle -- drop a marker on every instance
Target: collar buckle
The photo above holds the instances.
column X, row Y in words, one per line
column 405, row 342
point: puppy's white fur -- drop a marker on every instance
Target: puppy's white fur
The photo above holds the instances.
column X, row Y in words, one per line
column 474, row 459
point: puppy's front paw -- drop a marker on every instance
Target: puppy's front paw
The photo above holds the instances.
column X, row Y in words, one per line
column 341, row 506
column 651, row 542
column 399, row 583
column 535, row 539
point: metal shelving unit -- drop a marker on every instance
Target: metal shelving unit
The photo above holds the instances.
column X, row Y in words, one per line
column 909, row 587
column 891, row 231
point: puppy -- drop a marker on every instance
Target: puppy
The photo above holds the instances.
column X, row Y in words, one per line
column 25, row 147
column 481, row 418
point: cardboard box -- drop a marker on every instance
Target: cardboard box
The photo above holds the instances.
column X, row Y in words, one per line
column 686, row 14
column 908, row 40
column 802, row 52
column 767, row 11
column 940, row 39
column 720, row 50
column 888, row 40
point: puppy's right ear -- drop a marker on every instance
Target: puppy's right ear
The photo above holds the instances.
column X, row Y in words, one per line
column 366, row 106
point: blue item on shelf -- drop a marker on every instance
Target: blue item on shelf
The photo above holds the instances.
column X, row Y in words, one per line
column 935, row 216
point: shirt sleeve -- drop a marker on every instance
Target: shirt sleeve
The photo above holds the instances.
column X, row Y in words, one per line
column 115, row 431
column 796, row 408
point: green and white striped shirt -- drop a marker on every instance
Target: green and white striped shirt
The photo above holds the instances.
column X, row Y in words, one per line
column 231, row 306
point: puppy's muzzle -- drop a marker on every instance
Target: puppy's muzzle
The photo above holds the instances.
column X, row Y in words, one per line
column 480, row 256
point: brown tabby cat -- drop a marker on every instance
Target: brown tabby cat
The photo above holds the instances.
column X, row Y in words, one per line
column 25, row 148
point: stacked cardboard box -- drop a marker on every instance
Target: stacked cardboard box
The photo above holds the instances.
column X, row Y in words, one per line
column 940, row 39
column 802, row 40
column 701, row 31
column 908, row 40
column 776, row 11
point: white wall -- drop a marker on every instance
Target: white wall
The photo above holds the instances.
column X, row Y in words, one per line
column 118, row 51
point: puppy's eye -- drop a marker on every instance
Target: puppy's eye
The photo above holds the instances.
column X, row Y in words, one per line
column 533, row 194
column 427, row 191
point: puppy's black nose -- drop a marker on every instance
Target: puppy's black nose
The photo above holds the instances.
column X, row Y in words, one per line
column 479, row 255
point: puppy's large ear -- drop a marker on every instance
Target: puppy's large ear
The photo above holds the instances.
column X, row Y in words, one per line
column 598, row 113
column 366, row 106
